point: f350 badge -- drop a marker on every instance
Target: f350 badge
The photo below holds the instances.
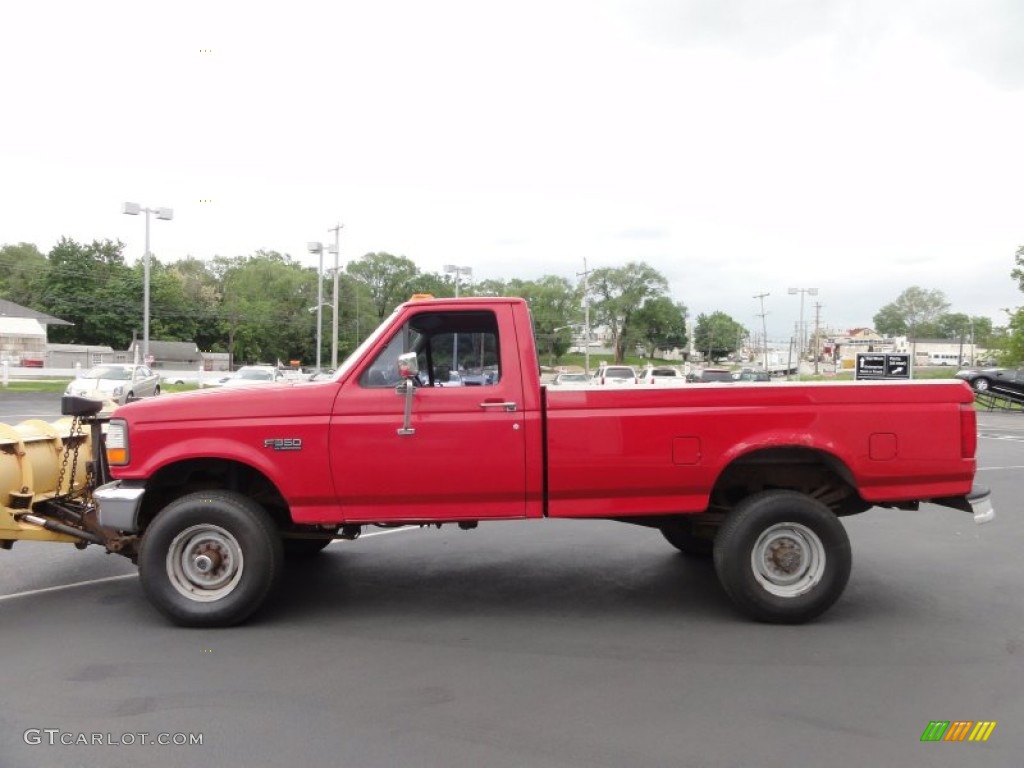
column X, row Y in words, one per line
column 283, row 443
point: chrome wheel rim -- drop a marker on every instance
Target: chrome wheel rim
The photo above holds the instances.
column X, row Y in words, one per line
column 205, row 563
column 788, row 560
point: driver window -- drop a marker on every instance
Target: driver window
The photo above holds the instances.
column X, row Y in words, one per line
column 453, row 349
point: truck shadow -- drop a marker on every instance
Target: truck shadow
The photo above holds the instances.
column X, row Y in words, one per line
column 359, row 584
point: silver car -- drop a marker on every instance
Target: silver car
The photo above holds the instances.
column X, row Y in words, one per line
column 121, row 383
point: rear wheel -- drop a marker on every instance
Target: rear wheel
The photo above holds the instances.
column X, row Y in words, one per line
column 210, row 559
column 783, row 557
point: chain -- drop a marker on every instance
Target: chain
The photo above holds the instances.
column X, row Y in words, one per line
column 70, row 451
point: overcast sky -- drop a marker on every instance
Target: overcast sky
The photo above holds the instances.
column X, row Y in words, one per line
column 739, row 146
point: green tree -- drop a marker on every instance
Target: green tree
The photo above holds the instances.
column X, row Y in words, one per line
column 22, row 270
column 661, row 324
column 914, row 313
column 717, row 335
column 265, row 306
column 554, row 303
column 618, row 293
column 386, row 277
column 1018, row 271
column 92, row 287
column 201, row 288
column 173, row 317
column 1012, row 344
column 957, row 325
column 490, row 287
column 438, row 286
column 357, row 314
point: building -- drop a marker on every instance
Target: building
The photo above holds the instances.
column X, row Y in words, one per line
column 23, row 334
column 179, row 356
column 82, row 356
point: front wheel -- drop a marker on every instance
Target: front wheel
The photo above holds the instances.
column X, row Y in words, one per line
column 980, row 385
column 782, row 557
column 210, row 559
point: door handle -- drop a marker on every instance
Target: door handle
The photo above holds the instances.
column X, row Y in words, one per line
column 510, row 407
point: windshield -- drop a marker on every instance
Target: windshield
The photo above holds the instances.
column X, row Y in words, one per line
column 359, row 351
column 109, row 372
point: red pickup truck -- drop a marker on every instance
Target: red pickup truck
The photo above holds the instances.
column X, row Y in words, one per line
column 212, row 490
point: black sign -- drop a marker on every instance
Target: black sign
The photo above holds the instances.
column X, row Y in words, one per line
column 872, row 367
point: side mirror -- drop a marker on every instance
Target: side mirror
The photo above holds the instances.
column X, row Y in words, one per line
column 408, row 367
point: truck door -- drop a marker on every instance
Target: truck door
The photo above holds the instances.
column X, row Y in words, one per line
column 463, row 456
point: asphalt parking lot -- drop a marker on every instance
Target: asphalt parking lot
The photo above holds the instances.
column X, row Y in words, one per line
column 547, row 643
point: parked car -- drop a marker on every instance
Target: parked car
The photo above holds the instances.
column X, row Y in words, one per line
column 177, row 377
column 751, row 375
column 254, row 375
column 997, row 379
column 119, row 382
column 322, row 375
column 570, row 378
column 662, row 374
column 714, row 375
column 618, row 375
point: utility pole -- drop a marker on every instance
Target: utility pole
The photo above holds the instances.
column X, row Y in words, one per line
column 764, row 328
column 336, row 229
column 585, row 274
column 817, row 325
column 802, row 332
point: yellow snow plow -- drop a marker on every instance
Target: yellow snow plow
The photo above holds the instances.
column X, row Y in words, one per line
column 47, row 474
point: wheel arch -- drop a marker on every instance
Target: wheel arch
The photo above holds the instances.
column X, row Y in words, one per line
column 177, row 479
column 810, row 470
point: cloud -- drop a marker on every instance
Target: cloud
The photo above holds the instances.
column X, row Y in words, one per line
column 643, row 233
column 980, row 35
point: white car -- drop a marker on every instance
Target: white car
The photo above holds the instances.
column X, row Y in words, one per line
column 118, row 382
column 663, row 375
column 620, row 375
column 570, row 379
column 254, row 376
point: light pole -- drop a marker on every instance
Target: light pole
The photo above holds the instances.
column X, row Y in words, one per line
column 764, row 328
column 452, row 269
column 803, row 292
column 336, row 229
column 165, row 214
column 318, row 248
column 585, row 274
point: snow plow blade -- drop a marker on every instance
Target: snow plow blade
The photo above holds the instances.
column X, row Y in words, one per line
column 47, row 472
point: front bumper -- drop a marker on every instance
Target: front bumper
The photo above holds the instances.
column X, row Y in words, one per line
column 118, row 505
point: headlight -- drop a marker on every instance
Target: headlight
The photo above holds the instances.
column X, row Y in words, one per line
column 117, row 443
column 117, row 391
